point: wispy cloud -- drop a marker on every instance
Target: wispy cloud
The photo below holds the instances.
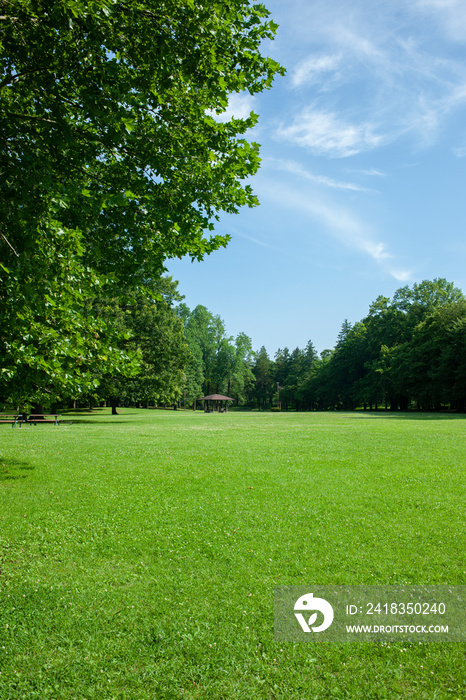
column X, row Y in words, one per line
column 450, row 13
column 325, row 133
column 460, row 152
column 408, row 86
column 401, row 275
column 314, row 68
column 377, row 251
column 339, row 222
column 371, row 172
column 252, row 239
column 297, row 169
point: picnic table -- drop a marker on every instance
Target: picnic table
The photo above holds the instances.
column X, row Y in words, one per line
column 9, row 418
column 17, row 419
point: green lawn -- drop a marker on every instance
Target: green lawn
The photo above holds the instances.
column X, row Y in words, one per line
column 139, row 553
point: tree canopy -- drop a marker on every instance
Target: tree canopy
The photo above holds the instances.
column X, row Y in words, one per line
column 108, row 125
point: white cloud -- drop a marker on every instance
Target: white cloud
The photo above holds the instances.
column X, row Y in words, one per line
column 325, row 133
column 239, row 106
column 357, row 44
column 250, row 238
column 381, row 72
column 371, row 172
column 311, row 69
column 401, row 275
column 377, row 251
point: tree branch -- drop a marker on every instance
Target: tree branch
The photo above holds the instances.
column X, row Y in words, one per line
column 8, row 242
column 30, row 116
column 13, row 78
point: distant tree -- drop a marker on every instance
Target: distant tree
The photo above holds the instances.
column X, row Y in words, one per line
column 345, row 330
column 396, row 333
column 194, row 366
column 224, row 366
column 310, row 360
column 281, row 372
column 431, row 366
column 319, row 383
column 296, row 378
column 242, row 379
column 205, row 334
column 424, row 297
column 219, row 363
column 398, row 354
column 263, row 372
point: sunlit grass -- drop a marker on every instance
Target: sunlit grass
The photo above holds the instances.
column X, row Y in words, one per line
column 140, row 552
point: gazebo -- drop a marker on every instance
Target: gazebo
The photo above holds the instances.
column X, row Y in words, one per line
column 213, row 402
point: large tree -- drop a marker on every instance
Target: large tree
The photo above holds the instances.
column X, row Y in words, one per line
column 241, row 382
column 264, row 384
column 209, row 349
column 111, row 154
column 154, row 331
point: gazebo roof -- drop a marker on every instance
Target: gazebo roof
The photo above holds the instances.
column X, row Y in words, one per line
column 216, row 397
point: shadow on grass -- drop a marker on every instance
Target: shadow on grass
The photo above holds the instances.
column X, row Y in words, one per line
column 97, row 421
column 80, row 411
column 411, row 415
column 10, row 468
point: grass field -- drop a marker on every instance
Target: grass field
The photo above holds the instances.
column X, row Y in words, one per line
column 139, row 553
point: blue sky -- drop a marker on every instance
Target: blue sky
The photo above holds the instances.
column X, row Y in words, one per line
column 363, row 174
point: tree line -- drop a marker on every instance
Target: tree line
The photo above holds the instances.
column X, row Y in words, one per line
column 407, row 353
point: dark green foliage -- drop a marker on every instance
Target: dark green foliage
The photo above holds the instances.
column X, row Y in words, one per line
column 105, row 122
column 217, row 363
column 263, row 372
column 242, row 379
column 408, row 352
column 292, row 373
column 431, row 367
column 50, row 347
column 153, row 332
